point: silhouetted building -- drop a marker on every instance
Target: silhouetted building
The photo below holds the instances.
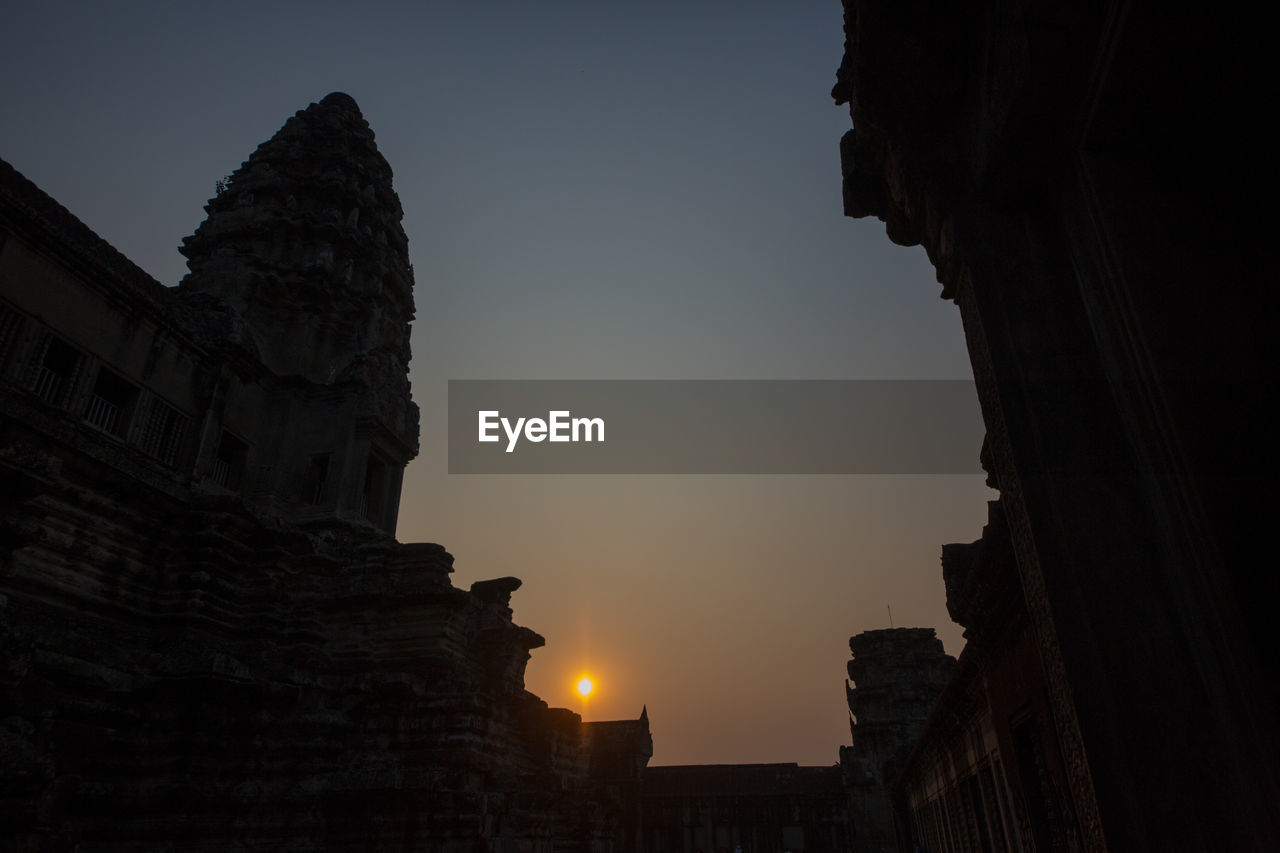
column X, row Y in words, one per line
column 620, row 751
column 746, row 808
column 210, row 638
column 987, row 772
column 896, row 675
column 1086, row 179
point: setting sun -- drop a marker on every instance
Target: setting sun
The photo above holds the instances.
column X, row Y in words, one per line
column 585, row 686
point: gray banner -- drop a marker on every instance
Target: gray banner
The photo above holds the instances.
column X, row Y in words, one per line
column 713, row 427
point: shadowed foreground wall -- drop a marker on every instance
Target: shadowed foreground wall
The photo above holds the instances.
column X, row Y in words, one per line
column 1088, row 181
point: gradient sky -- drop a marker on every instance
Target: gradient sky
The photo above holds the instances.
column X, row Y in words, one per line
column 592, row 190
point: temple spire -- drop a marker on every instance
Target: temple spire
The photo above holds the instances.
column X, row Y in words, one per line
column 304, row 242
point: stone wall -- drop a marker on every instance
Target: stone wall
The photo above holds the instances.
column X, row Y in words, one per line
column 210, row 638
column 1084, row 178
column 986, row 772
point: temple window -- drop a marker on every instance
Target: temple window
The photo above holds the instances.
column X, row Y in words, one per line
column 163, row 432
column 10, row 328
column 228, row 466
column 111, row 403
column 55, row 371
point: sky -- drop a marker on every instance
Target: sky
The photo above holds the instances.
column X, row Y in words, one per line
column 592, row 190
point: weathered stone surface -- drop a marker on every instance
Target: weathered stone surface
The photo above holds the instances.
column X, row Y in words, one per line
column 986, row 767
column 303, row 265
column 227, row 683
column 896, row 675
column 981, row 579
column 210, row 639
column 1082, row 178
column 305, row 244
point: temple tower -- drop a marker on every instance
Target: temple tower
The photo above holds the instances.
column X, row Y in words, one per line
column 302, row 274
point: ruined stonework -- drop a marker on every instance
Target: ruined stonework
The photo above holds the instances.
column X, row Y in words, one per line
column 896, row 675
column 210, row 638
column 1087, row 180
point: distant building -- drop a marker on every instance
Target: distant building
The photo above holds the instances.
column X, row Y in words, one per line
column 746, row 808
column 620, row 751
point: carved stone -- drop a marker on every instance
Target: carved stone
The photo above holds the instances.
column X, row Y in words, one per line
column 1083, row 179
column 210, row 638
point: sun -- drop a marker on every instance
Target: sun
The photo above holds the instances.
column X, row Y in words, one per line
column 585, row 686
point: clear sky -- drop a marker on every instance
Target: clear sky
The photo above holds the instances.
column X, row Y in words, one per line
column 592, row 190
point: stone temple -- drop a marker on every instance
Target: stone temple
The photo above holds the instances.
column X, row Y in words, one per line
column 210, row 638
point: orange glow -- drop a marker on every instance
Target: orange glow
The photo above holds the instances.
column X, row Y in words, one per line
column 585, row 686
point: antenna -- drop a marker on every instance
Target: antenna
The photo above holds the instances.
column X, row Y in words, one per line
column 889, row 607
